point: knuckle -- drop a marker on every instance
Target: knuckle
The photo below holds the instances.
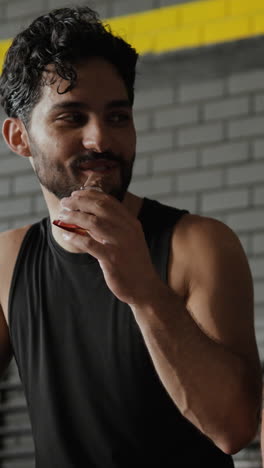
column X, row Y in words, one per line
column 94, row 221
column 102, row 202
column 76, row 196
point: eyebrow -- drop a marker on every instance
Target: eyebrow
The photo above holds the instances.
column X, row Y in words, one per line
column 81, row 105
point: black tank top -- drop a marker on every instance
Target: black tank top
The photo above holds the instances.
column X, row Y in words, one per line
column 94, row 397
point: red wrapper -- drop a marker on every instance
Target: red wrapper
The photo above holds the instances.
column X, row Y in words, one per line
column 70, row 227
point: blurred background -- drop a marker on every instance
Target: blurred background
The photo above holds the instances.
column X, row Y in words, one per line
column 199, row 114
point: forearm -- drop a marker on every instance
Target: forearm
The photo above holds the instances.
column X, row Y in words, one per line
column 212, row 386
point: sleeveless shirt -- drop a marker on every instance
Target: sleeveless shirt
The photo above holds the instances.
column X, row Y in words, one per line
column 93, row 395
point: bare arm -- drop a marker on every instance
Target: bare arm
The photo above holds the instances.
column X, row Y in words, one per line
column 10, row 242
column 203, row 346
column 5, row 345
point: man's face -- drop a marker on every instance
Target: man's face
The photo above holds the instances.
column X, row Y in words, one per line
column 86, row 132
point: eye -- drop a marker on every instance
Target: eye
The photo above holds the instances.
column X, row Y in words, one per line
column 72, row 117
column 119, row 118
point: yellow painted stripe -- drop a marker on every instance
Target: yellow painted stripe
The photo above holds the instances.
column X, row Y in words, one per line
column 194, row 24
column 4, row 45
column 231, row 27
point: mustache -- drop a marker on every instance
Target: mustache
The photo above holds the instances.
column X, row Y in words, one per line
column 94, row 156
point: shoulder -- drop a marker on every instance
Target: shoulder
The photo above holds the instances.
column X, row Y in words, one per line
column 197, row 234
column 11, row 240
column 203, row 247
column 10, row 243
column 193, row 228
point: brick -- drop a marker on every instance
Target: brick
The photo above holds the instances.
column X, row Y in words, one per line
column 3, row 147
column 26, row 184
column 244, row 239
column 151, row 98
column 185, row 38
column 143, row 43
column 257, row 22
column 2, row 13
column 259, row 196
column 188, row 202
column 202, row 12
column 13, row 165
column 238, row 7
column 259, row 103
column 159, row 141
column 176, row 117
column 226, row 109
column 25, row 220
column 172, row 2
column 27, row 7
column 15, row 207
column 151, row 21
column 259, row 293
column 259, row 319
column 257, row 267
column 141, row 167
column 61, row 3
column 2, row 112
column 248, row 173
column 199, row 180
column 176, row 160
column 224, row 154
column 247, row 220
column 151, row 187
column 142, row 122
column 4, row 188
column 246, row 81
column 123, row 7
column 102, row 8
column 226, row 30
column 4, row 227
column 200, row 134
column 258, row 243
column 11, row 28
column 258, row 149
column 40, row 204
column 246, row 127
column 200, row 91
column 225, row 200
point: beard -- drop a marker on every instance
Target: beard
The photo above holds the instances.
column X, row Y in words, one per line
column 62, row 181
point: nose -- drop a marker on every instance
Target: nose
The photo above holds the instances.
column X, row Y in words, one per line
column 96, row 136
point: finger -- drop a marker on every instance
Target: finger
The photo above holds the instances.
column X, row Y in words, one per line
column 98, row 204
column 87, row 244
column 98, row 227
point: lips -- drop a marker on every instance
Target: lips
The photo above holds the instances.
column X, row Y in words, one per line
column 97, row 165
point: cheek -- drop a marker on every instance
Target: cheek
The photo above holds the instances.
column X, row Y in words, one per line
column 130, row 142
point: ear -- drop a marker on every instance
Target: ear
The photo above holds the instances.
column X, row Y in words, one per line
column 16, row 136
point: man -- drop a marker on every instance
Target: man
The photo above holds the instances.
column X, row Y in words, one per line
column 134, row 342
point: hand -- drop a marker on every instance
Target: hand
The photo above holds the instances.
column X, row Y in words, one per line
column 116, row 239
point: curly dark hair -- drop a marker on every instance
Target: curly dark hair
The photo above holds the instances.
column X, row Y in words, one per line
column 64, row 37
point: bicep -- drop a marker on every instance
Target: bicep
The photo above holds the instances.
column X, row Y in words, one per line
column 220, row 288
